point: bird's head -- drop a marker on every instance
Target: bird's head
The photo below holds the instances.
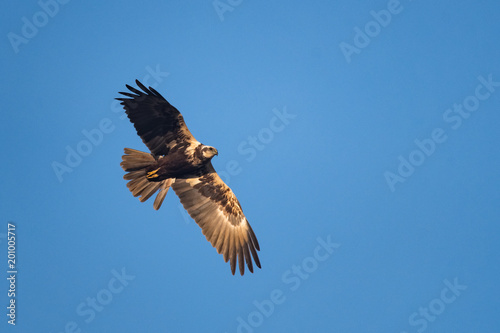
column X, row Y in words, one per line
column 209, row 152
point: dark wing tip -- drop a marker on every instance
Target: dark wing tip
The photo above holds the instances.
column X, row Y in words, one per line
column 241, row 259
column 149, row 91
column 256, row 259
column 248, row 258
column 254, row 254
column 253, row 237
column 233, row 266
column 156, row 93
column 127, row 94
column 143, row 87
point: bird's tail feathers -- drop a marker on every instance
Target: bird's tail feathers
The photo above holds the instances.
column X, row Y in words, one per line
column 136, row 163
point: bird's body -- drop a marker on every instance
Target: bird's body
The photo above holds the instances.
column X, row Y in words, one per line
column 179, row 161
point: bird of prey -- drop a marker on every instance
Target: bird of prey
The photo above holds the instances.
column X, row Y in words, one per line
column 179, row 161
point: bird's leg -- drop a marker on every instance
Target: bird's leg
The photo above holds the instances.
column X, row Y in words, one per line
column 152, row 174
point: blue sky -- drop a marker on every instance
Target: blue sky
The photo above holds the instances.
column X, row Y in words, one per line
column 360, row 138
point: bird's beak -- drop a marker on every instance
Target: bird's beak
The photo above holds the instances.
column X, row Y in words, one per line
column 216, row 152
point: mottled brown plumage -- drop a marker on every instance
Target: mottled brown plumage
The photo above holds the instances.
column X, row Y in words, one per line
column 179, row 161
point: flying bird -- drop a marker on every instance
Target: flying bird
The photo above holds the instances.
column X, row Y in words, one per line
column 179, row 161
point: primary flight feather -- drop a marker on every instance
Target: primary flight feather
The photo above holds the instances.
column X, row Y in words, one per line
column 179, row 161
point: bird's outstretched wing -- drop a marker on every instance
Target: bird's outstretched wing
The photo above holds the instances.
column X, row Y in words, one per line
column 215, row 208
column 159, row 124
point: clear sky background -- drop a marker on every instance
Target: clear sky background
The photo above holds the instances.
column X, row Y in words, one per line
column 374, row 193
